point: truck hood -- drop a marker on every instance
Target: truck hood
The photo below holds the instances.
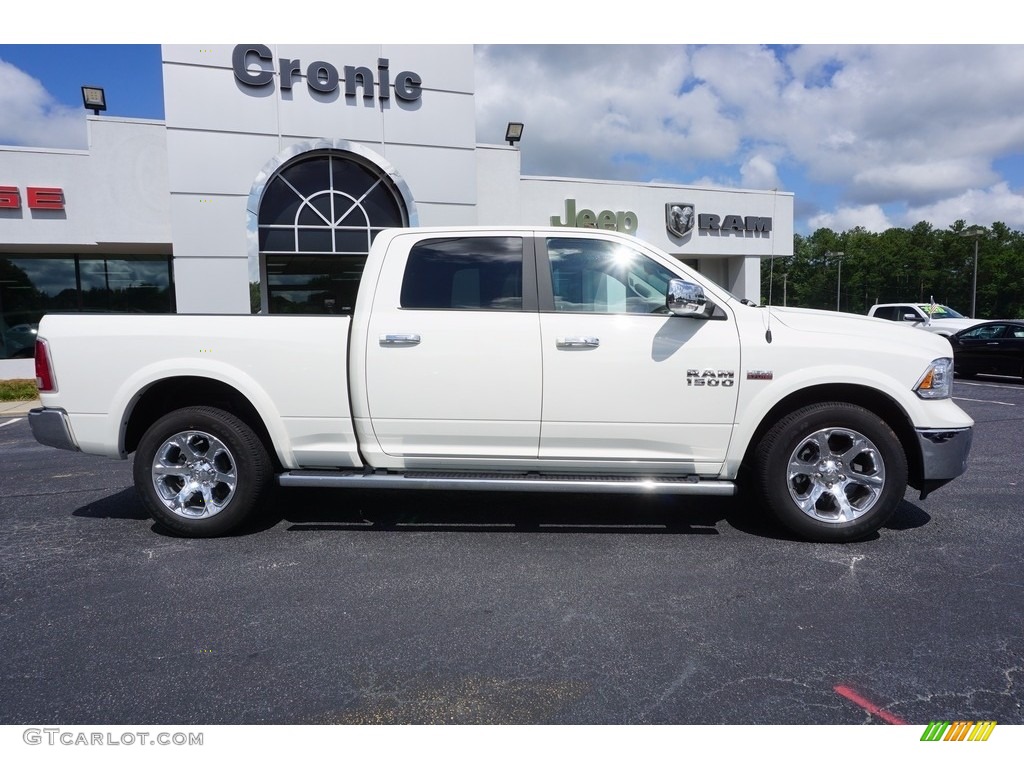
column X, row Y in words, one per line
column 846, row 324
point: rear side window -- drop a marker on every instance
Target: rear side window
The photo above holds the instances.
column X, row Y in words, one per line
column 896, row 313
column 467, row 273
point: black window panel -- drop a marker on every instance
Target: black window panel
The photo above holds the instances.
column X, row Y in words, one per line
column 353, row 177
column 277, row 239
column 313, row 284
column 381, row 207
column 308, row 176
column 125, row 285
column 31, row 286
column 473, row 273
column 280, row 204
column 316, row 240
column 351, row 241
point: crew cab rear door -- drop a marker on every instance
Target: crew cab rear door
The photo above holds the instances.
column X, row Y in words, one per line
column 625, row 381
column 453, row 365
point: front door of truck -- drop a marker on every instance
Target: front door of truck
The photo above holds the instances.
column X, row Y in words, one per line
column 453, row 366
column 625, row 381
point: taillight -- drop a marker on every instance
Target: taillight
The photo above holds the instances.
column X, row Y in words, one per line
column 44, row 369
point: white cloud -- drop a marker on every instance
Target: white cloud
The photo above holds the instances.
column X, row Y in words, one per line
column 974, row 206
column 907, row 127
column 759, row 173
column 869, row 217
column 30, row 116
column 920, row 181
column 600, row 111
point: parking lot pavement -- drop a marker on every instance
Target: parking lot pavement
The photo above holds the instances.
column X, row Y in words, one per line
column 502, row 608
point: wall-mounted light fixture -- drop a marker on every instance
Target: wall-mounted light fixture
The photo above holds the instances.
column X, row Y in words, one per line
column 513, row 133
column 93, row 98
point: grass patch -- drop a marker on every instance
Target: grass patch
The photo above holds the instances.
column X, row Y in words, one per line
column 18, row 389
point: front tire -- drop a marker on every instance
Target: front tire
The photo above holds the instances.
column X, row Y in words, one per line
column 201, row 471
column 831, row 472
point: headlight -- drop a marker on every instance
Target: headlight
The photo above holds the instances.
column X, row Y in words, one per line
column 937, row 382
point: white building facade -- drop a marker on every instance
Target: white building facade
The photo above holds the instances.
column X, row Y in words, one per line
column 277, row 164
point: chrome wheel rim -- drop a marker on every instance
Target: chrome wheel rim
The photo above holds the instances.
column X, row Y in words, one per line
column 835, row 475
column 194, row 474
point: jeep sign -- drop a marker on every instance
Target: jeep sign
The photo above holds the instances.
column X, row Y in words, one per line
column 620, row 221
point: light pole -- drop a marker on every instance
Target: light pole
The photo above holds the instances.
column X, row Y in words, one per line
column 785, row 282
column 976, row 233
column 839, row 273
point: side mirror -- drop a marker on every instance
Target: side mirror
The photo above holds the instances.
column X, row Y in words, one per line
column 910, row 317
column 686, row 299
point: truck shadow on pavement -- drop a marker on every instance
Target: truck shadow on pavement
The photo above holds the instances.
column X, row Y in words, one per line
column 317, row 510
column 123, row 505
column 299, row 510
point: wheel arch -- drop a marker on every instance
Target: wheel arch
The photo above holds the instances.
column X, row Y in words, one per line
column 870, row 399
column 166, row 395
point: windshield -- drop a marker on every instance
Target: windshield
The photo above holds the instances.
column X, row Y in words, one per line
column 940, row 311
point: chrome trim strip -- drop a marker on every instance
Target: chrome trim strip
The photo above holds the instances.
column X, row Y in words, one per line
column 464, row 482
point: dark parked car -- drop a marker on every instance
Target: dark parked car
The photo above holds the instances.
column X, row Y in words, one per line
column 995, row 347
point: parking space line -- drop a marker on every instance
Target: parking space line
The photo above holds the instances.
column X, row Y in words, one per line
column 848, row 693
column 974, row 400
column 12, row 421
column 960, row 383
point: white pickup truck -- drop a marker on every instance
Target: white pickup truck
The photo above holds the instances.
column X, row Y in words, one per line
column 512, row 359
column 937, row 318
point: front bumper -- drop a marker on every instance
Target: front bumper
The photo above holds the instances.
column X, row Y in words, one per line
column 943, row 456
column 50, row 426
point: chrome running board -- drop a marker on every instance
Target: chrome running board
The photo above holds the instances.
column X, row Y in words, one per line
column 497, row 481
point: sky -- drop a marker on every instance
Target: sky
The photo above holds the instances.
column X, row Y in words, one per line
column 896, row 127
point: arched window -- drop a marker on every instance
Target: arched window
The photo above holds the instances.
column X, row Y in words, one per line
column 317, row 218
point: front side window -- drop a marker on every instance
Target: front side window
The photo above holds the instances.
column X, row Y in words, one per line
column 603, row 277
column 467, row 273
column 984, row 332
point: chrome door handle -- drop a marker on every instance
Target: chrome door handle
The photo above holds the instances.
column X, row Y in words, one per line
column 577, row 342
column 399, row 339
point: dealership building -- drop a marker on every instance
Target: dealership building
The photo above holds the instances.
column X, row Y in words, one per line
column 277, row 165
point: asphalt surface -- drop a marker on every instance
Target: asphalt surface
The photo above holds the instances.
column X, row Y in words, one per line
column 505, row 608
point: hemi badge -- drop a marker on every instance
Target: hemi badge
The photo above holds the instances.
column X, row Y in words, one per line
column 760, row 375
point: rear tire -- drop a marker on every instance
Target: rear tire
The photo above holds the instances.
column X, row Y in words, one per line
column 831, row 472
column 201, row 471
